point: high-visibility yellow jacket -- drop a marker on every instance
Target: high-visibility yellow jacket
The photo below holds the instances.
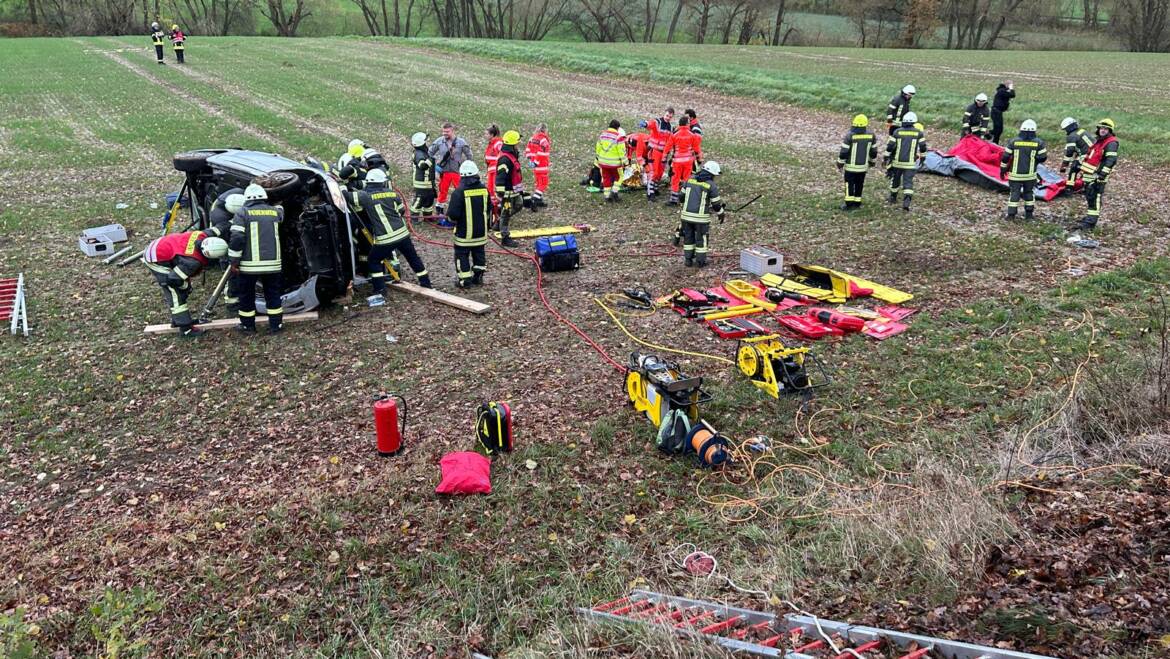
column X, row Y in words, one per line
column 611, row 148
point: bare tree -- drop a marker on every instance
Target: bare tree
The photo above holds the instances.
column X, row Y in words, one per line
column 650, row 19
column 678, row 10
column 702, row 18
column 604, row 20
column 781, row 6
column 1145, row 24
column 285, row 20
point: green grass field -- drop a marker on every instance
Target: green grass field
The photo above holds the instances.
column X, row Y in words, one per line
column 224, row 497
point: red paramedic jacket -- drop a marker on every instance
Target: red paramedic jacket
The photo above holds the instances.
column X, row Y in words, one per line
column 537, row 151
column 686, row 145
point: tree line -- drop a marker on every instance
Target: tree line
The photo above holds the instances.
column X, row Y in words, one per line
column 1141, row 25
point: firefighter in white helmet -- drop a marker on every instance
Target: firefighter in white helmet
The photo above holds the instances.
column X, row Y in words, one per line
column 976, row 117
column 898, row 107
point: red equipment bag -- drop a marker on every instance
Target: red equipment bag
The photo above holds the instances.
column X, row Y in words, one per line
column 493, row 427
column 809, row 329
column 465, row 472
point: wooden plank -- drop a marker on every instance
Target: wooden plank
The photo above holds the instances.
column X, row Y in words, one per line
column 228, row 323
column 461, row 303
column 547, row 231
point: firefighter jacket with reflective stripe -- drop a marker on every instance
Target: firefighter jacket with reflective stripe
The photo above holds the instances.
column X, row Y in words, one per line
column 1021, row 156
column 349, row 169
column 158, row 37
column 538, row 150
column 177, row 255
column 219, row 218
column 469, row 209
column 178, row 39
column 255, row 242
column 1077, row 143
column 899, row 105
column 696, row 128
column 508, row 173
column 858, row 150
column 373, row 160
column 686, row 145
column 611, row 148
column 975, row 119
column 905, row 147
column 660, row 129
column 424, row 170
column 1102, row 159
column 700, row 198
column 383, row 210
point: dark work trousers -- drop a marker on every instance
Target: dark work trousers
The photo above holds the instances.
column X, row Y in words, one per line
column 470, row 263
column 996, row 124
column 1093, row 193
column 423, row 204
column 158, row 53
column 405, row 247
column 175, row 297
column 854, row 184
column 694, row 236
column 272, row 302
column 1021, row 190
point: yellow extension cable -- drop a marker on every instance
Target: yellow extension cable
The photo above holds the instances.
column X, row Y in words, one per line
column 622, row 327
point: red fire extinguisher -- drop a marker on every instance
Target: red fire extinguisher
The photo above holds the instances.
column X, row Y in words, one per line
column 386, row 424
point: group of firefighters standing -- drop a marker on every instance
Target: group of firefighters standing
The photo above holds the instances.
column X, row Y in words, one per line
column 178, row 41
column 1087, row 158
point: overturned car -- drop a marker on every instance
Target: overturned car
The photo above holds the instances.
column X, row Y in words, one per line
column 318, row 255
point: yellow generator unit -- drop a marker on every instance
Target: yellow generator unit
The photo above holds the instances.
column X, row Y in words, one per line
column 656, row 386
column 775, row 368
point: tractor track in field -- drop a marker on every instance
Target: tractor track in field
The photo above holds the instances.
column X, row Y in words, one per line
column 180, row 93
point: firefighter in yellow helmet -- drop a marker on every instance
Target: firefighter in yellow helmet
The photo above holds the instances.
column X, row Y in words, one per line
column 858, row 153
column 510, row 185
column 178, row 42
column 1096, row 168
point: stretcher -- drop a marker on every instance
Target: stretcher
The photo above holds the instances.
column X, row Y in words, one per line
column 548, row 231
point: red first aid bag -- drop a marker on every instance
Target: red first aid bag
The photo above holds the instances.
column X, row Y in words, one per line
column 465, row 472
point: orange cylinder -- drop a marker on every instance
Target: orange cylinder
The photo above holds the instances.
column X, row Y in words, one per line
column 386, row 424
column 711, row 450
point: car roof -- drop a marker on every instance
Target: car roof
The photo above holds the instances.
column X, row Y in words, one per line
column 257, row 163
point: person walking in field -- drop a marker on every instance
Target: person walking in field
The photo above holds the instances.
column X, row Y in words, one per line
column 906, row 146
column 538, row 151
column 975, row 118
column 899, row 107
column 1004, row 94
column 158, row 38
column 858, row 153
column 449, row 151
column 178, row 42
column 1019, row 164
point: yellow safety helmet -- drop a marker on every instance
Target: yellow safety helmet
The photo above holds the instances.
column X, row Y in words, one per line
column 919, row 126
column 860, row 121
column 1107, row 123
column 511, row 137
column 174, row 27
column 356, row 148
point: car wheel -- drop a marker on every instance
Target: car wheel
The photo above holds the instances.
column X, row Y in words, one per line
column 193, row 162
column 278, row 185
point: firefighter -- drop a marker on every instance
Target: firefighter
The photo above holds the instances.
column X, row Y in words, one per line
column 158, row 37
column 975, row 118
column 173, row 260
column 383, row 211
column 700, row 199
column 178, row 42
column 537, row 152
column 660, row 130
column 349, row 165
column 1076, row 146
column 858, row 153
column 423, row 179
column 611, row 157
column 448, row 151
column 372, row 160
column 1004, row 94
column 899, row 107
column 219, row 221
column 255, row 256
column 1095, row 171
column 491, row 157
column 510, row 186
column 1019, row 164
column 905, row 148
column 470, row 210
column 685, row 148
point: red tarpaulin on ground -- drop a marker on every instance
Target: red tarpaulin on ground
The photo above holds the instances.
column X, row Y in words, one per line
column 976, row 160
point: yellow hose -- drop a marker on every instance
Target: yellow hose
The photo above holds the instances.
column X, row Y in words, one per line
column 654, row 345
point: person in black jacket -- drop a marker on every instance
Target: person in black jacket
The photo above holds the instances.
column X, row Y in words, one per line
column 1004, row 94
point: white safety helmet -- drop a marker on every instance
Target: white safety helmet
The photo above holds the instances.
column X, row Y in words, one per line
column 255, row 193
column 909, row 89
column 909, row 118
column 376, row 176
column 234, row 203
column 713, row 167
column 1028, row 126
column 418, row 139
column 1066, row 122
column 214, row 248
column 468, row 168
column 981, row 97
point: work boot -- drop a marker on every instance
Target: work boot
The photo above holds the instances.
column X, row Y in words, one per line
column 244, row 329
column 190, row 332
column 617, row 198
column 1087, row 224
column 906, row 203
column 275, row 328
column 477, row 278
column 462, row 283
column 508, row 242
column 701, row 262
column 689, row 262
column 425, row 281
column 846, row 206
column 538, row 201
column 892, row 198
column 673, row 201
column 1028, row 215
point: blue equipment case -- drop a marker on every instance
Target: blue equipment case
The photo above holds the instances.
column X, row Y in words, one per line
column 558, row 253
